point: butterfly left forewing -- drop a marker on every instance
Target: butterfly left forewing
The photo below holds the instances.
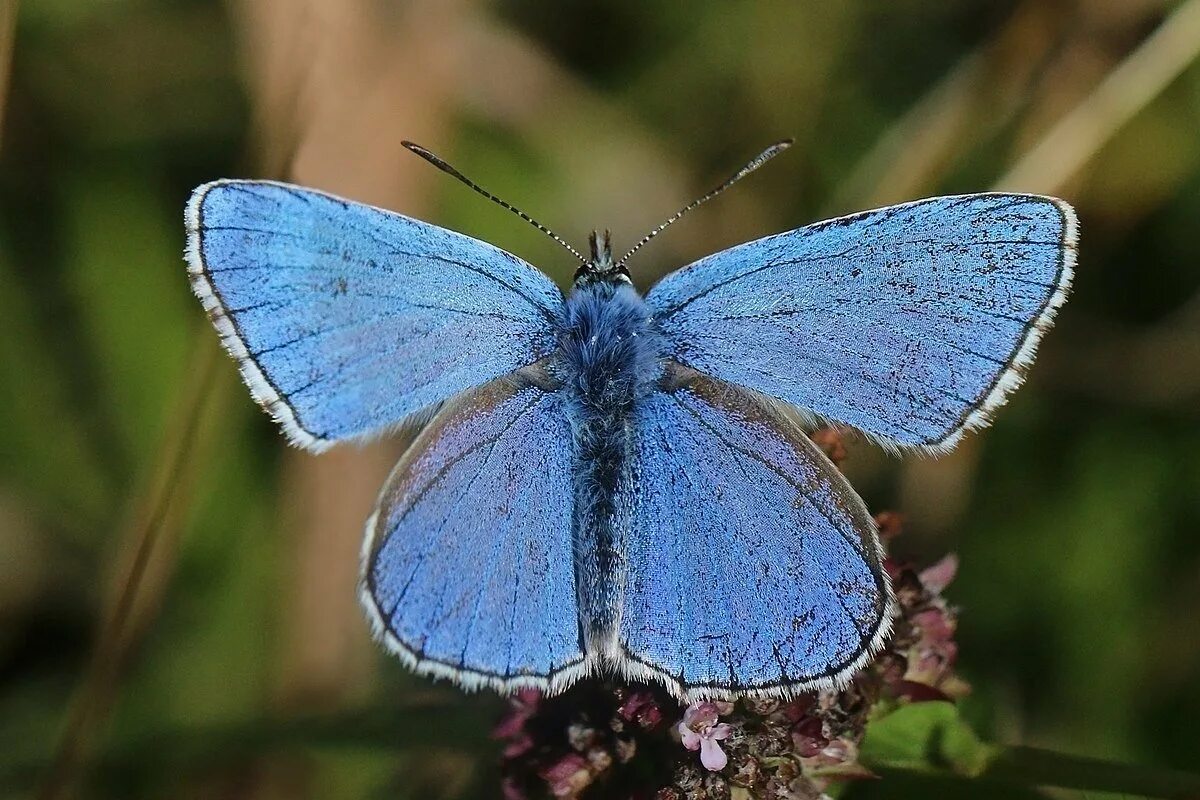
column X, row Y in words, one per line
column 752, row 567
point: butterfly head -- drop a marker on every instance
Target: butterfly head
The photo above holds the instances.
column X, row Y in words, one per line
column 601, row 266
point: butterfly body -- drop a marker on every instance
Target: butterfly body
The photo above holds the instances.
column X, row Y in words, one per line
column 608, row 483
column 609, row 360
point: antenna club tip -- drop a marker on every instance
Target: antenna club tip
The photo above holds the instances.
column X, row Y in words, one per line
column 413, row 146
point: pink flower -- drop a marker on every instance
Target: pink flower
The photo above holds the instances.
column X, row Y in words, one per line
column 699, row 730
column 808, row 737
column 640, row 707
column 512, row 727
column 568, row 776
column 520, row 708
column 937, row 577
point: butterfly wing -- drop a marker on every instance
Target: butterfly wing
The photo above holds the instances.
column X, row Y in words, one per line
column 911, row 323
column 752, row 566
column 346, row 319
column 468, row 569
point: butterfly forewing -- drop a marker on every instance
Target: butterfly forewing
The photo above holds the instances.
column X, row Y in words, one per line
column 911, row 323
column 346, row 319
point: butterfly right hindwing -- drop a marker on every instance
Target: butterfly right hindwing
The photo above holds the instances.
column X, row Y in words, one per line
column 752, row 565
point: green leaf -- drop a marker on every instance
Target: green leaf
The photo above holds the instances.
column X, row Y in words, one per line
column 930, row 739
column 925, row 737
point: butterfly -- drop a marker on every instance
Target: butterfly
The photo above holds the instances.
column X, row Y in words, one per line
column 612, row 484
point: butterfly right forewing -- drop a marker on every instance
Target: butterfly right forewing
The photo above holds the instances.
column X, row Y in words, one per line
column 912, row 323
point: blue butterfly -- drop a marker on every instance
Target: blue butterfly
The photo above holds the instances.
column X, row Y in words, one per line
column 614, row 484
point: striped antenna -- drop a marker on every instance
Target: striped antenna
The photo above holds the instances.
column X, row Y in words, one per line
column 753, row 164
column 444, row 167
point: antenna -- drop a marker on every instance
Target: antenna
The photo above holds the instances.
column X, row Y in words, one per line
column 444, row 167
column 753, row 164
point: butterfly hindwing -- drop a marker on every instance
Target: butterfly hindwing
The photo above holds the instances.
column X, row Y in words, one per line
column 345, row 318
column 467, row 566
column 752, row 566
column 911, row 323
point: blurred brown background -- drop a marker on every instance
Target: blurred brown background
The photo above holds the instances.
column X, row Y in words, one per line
column 237, row 664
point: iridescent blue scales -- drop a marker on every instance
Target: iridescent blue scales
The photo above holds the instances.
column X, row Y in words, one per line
column 609, row 485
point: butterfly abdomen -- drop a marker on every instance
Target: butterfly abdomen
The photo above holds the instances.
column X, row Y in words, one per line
column 610, row 357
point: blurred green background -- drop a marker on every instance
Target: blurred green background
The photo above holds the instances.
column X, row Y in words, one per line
column 241, row 666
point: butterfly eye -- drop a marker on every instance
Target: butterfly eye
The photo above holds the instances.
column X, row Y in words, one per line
column 601, row 267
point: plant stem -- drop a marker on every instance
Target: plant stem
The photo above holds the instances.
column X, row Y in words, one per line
column 1032, row 766
column 1138, row 79
column 1035, row 768
column 154, row 519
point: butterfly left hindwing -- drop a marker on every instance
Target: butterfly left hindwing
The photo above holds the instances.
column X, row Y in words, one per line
column 468, row 569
